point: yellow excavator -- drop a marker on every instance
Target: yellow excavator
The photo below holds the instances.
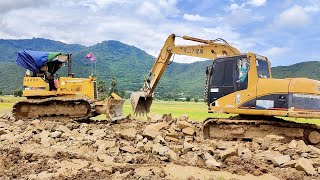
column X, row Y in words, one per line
column 63, row 98
column 241, row 83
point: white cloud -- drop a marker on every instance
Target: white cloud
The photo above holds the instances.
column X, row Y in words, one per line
column 197, row 17
column 295, row 16
column 257, row 2
column 275, row 52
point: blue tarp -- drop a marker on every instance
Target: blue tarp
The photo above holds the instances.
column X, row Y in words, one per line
column 32, row 60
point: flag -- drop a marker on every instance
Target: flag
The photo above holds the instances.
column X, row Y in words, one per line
column 89, row 55
column 93, row 59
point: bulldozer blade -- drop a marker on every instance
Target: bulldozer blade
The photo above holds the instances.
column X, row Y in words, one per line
column 140, row 103
column 115, row 109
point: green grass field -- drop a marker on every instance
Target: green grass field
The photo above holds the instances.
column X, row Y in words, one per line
column 195, row 111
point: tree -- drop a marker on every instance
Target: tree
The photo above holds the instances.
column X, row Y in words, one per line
column 0, row 92
column 17, row 93
column 196, row 99
column 188, row 99
column 102, row 88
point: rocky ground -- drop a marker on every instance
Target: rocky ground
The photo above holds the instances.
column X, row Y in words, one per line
column 162, row 148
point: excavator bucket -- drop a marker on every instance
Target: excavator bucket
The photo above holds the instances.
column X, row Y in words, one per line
column 115, row 107
column 140, row 103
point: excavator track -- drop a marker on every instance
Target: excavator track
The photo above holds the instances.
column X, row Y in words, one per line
column 55, row 109
column 245, row 129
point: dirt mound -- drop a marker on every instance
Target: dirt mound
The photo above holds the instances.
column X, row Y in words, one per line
column 162, row 147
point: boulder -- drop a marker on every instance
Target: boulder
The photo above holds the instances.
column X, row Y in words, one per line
column 183, row 124
column 293, row 144
column 183, row 117
column 105, row 158
column 245, row 154
column 140, row 146
column 128, row 134
column 212, row 163
column 151, row 131
column 160, row 149
column 188, row 131
column 55, row 134
column 129, row 149
column 229, row 152
column 173, row 157
column 99, row 133
column 148, row 146
column 280, row 160
column 64, row 129
column 291, row 164
column 154, row 118
column 302, row 147
column 306, row 166
column 187, row 147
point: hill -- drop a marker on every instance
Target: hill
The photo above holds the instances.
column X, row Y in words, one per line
column 128, row 64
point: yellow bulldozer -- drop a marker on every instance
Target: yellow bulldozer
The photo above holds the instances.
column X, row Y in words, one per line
column 241, row 83
column 60, row 98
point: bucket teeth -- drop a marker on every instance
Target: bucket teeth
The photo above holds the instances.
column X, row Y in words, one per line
column 140, row 103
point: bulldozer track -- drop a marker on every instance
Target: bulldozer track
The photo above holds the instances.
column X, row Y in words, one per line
column 55, row 109
column 245, row 129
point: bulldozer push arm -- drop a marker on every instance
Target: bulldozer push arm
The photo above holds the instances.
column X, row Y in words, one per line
column 209, row 49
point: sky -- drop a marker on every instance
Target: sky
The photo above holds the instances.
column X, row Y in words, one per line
column 286, row 31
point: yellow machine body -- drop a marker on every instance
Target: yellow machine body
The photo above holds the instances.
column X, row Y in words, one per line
column 67, row 87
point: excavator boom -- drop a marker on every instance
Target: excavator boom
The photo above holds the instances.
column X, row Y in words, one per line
column 210, row 49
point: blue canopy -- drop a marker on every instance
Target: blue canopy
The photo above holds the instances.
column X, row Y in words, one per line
column 34, row 60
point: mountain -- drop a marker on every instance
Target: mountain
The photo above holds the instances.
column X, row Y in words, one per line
column 128, row 64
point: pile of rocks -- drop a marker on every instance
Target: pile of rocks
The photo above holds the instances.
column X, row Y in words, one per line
column 111, row 148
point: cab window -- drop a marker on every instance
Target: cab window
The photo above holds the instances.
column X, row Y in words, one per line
column 263, row 69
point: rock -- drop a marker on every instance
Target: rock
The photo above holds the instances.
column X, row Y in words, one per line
column 104, row 144
column 177, row 148
column 305, row 155
column 183, row 124
column 128, row 134
column 280, row 160
column 148, row 147
column 314, row 149
column 187, row 147
column 319, row 170
column 245, row 154
column 183, row 117
column 75, row 135
column 46, row 141
column 159, row 149
column 143, row 172
column 139, row 137
column 129, row 149
column 99, row 133
column 291, row 164
column 212, row 163
column 167, row 117
column 306, row 166
column 302, row 147
column 188, row 131
column 229, row 152
column 64, row 129
column 140, row 146
column 55, row 134
column 151, row 131
column 113, row 151
column 222, row 145
column 154, row 118
column 173, row 157
column 293, row 144
column 159, row 139
column 213, row 144
column 105, row 158
column 168, row 138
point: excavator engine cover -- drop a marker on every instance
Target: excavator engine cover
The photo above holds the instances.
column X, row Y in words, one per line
column 140, row 102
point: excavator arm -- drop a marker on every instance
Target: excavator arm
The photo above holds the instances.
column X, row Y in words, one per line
column 209, row 49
